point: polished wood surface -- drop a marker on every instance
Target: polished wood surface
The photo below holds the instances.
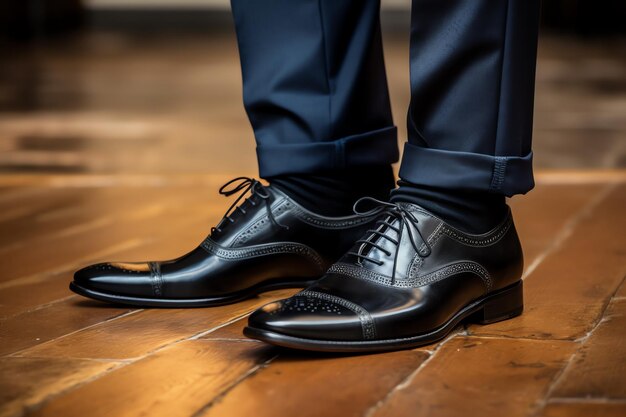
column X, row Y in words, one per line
column 64, row 355
column 113, row 147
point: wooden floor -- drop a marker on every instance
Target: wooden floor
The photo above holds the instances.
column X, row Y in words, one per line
column 62, row 355
column 107, row 156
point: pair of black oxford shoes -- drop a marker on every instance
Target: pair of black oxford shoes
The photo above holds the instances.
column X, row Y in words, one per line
column 392, row 277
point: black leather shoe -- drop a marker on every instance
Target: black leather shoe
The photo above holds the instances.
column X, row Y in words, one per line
column 407, row 283
column 267, row 242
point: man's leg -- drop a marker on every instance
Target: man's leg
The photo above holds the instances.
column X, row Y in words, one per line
column 413, row 278
column 315, row 91
column 470, row 118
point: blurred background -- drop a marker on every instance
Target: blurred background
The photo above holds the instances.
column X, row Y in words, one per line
column 154, row 86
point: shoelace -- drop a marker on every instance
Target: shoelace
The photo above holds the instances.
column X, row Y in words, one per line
column 245, row 184
column 392, row 212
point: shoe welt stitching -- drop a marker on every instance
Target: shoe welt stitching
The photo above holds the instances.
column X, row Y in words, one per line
column 368, row 327
column 262, row 250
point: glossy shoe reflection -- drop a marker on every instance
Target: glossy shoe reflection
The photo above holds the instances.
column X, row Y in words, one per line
column 406, row 283
column 267, row 242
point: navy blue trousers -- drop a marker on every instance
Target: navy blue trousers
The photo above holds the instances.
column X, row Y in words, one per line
column 315, row 89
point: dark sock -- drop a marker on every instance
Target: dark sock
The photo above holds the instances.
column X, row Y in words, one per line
column 469, row 211
column 333, row 193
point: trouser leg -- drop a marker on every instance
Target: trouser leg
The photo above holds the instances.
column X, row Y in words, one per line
column 314, row 84
column 472, row 89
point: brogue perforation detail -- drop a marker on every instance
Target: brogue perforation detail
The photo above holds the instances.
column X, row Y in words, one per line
column 263, row 250
column 359, row 272
column 307, row 304
column 156, row 279
column 476, row 241
column 470, row 240
column 305, row 217
column 368, row 327
column 413, row 281
column 330, row 223
column 415, row 266
column 445, row 272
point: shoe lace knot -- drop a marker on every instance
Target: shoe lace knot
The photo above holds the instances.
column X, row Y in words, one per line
column 243, row 185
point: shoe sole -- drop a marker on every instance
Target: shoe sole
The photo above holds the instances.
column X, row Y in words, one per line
column 497, row 306
column 185, row 303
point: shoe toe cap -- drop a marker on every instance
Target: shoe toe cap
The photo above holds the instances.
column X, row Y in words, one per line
column 116, row 278
column 309, row 317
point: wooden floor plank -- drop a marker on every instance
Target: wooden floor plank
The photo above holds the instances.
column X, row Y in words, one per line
column 598, row 370
column 55, row 250
column 29, row 296
column 84, row 208
column 566, row 294
column 21, row 215
column 177, row 381
column 26, row 382
column 318, row 385
column 140, row 240
column 621, row 292
column 582, row 409
column 34, row 193
column 481, row 377
column 231, row 331
column 27, row 205
column 178, row 237
column 542, row 213
column 31, row 293
column 138, row 334
column 58, row 319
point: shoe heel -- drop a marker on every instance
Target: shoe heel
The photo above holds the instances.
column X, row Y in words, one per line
column 506, row 304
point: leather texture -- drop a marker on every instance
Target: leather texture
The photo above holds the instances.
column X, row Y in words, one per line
column 409, row 278
column 267, row 242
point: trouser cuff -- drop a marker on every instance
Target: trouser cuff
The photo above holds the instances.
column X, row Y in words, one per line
column 508, row 175
column 378, row 147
